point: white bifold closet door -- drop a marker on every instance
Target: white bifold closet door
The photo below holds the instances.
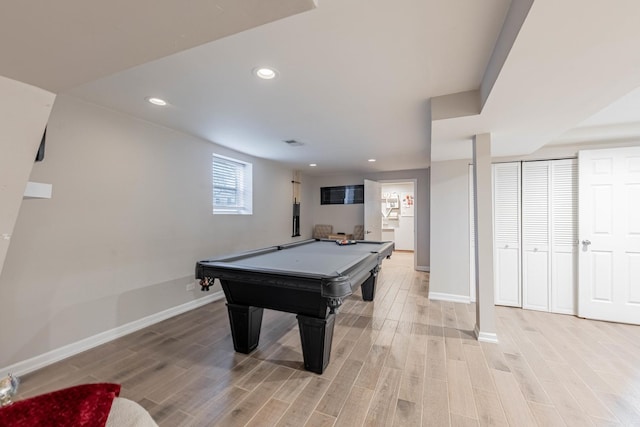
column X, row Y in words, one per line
column 535, row 236
column 506, row 234
column 564, row 236
column 549, row 235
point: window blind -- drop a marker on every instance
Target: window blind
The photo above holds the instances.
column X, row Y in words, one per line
column 231, row 186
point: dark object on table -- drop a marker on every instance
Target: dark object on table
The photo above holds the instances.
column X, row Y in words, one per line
column 309, row 278
column 345, row 242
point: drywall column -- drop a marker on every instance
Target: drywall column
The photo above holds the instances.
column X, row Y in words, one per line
column 24, row 111
column 485, row 328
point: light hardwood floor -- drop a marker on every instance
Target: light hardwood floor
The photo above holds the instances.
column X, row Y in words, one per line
column 401, row 360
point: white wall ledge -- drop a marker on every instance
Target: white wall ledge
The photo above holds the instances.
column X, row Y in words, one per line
column 37, row 190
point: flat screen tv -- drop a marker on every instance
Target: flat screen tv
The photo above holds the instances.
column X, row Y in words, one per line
column 342, row 195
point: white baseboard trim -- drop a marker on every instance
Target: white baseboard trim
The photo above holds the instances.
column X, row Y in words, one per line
column 491, row 337
column 423, row 268
column 449, row 297
column 69, row 350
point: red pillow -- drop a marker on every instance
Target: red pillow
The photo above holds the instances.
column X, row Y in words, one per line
column 86, row 405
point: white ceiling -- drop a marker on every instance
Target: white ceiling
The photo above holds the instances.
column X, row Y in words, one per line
column 59, row 44
column 355, row 77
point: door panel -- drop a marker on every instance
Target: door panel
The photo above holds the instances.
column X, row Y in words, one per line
column 563, row 279
column 535, row 270
column 633, row 264
column 507, row 276
column 602, row 274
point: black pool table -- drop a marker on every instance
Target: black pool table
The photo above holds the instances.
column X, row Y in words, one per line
column 309, row 278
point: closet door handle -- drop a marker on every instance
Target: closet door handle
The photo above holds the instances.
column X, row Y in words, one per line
column 586, row 242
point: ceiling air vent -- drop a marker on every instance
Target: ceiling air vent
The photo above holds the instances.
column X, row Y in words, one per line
column 293, row 143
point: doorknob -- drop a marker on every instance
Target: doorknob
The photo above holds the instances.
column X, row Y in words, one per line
column 586, row 242
column 367, row 232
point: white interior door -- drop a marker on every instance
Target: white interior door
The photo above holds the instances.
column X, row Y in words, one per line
column 372, row 210
column 506, row 232
column 609, row 230
column 535, row 235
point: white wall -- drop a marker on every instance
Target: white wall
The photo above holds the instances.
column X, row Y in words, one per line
column 24, row 110
column 344, row 217
column 129, row 217
column 450, row 228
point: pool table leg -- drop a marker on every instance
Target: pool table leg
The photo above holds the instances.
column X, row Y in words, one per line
column 316, row 336
column 245, row 326
column 369, row 286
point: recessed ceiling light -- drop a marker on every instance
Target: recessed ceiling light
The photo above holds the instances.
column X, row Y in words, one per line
column 372, row 160
column 313, row 165
column 157, row 101
column 265, row 73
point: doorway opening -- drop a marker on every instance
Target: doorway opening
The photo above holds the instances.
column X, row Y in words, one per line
column 390, row 214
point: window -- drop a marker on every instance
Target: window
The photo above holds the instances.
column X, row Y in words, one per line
column 232, row 186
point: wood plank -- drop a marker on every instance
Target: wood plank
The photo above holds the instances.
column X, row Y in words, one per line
column 407, row 413
column 355, row 408
column 565, row 404
column 397, row 357
column 383, row 405
column 494, row 356
column 372, row 367
column 304, row 405
column 318, row 419
column 215, row 409
column 545, row 415
column 528, row 382
column 583, row 395
column 333, row 400
column 417, row 354
column 513, row 403
column 293, row 386
column 460, row 421
column 254, row 401
column 436, row 369
column 626, row 412
column 269, row 414
column 411, row 388
column 490, row 411
column 460, row 391
column 435, row 404
column 478, row 369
